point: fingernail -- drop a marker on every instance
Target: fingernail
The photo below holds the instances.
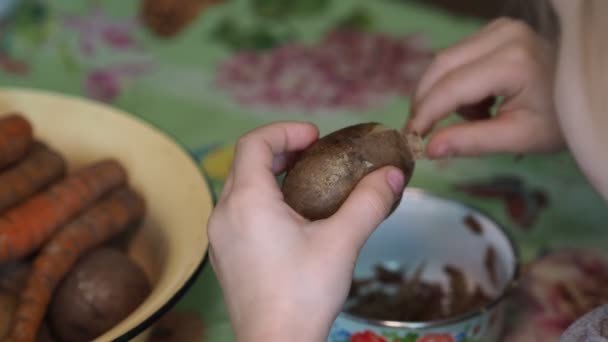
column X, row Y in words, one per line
column 441, row 151
column 409, row 127
column 396, row 181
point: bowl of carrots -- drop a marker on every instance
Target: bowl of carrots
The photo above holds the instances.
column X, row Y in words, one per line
column 102, row 220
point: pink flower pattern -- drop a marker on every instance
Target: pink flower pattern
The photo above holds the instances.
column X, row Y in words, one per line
column 105, row 84
column 97, row 26
column 557, row 290
column 348, row 70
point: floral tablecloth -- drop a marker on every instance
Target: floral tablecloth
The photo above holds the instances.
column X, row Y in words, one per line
column 216, row 69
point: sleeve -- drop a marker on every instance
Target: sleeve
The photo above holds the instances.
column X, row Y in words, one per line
column 593, row 327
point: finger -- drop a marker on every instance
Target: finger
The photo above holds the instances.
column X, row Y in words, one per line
column 283, row 161
column 496, row 34
column 463, row 52
column 495, row 75
column 280, row 162
column 227, row 187
column 367, row 206
column 255, row 151
column 506, row 133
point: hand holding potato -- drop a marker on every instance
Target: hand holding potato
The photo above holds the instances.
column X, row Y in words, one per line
column 284, row 277
column 505, row 59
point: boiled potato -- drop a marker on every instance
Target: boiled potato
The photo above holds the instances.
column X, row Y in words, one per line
column 326, row 173
column 104, row 287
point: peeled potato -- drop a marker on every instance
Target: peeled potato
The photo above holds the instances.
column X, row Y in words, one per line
column 325, row 174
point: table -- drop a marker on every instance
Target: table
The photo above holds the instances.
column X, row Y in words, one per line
column 183, row 85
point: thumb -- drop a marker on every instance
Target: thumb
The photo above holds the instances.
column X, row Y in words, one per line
column 367, row 206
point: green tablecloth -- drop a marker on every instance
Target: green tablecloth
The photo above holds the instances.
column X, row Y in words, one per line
column 99, row 49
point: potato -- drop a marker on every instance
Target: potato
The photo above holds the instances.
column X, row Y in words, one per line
column 325, row 174
column 104, row 287
column 44, row 334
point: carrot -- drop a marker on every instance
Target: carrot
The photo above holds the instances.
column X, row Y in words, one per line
column 25, row 228
column 92, row 228
column 16, row 135
column 41, row 167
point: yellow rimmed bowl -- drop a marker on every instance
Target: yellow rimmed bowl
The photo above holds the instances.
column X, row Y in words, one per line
column 171, row 245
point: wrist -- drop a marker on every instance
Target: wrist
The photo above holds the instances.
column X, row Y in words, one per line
column 284, row 328
column 281, row 334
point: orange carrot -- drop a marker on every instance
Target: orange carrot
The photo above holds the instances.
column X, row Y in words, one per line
column 39, row 168
column 25, row 228
column 92, row 228
column 16, row 135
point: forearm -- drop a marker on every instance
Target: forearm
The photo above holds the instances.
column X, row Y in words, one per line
column 282, row 336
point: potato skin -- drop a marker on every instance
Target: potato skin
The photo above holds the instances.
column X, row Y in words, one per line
column 325, row 174
column 104, row 287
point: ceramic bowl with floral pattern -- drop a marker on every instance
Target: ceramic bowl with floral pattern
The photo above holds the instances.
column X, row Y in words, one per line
column 434, row 231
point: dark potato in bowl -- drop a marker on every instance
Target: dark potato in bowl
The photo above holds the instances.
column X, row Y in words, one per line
column 102, row 290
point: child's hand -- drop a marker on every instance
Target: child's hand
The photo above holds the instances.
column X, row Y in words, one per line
column 507, row 59
column 285, row 278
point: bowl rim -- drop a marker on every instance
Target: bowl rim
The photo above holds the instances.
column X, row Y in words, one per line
column 508, row 289
column 172, row 301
